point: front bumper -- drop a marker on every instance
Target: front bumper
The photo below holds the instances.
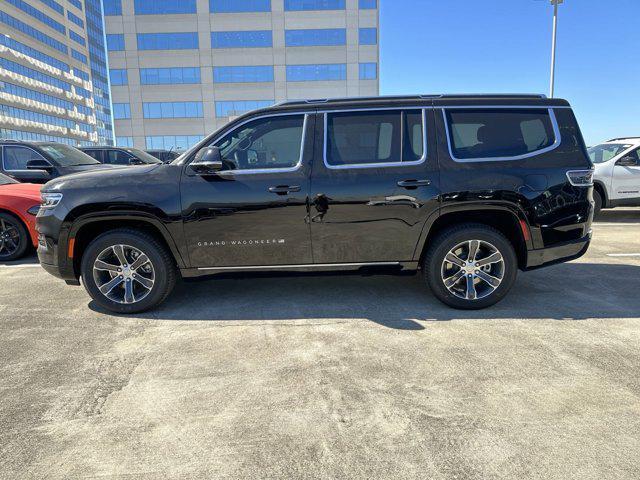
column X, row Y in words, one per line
column 50, row 259
column 563, row 252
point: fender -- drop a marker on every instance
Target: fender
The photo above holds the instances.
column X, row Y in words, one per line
column 474, row 206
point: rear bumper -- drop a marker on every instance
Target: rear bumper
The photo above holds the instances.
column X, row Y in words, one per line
column 563, row 252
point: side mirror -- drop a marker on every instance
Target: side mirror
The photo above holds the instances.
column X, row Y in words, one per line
column 627, row 161
column 207, row 161
column 39, row 165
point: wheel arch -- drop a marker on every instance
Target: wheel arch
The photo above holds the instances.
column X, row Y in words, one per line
column 599, row 186
column 507, row 220
column 23, row 221
column 84, row 229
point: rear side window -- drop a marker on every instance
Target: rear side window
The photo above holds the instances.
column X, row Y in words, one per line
column 498, row 133
column 372, row 138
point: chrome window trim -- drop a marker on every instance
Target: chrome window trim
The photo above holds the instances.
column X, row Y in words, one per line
column 22, row 170
column 554, row 124
column 374, row 165
column 297, row 166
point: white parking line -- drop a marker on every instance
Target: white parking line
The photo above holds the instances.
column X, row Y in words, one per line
column 20, row 266
column 623, row 254
column 613, row 224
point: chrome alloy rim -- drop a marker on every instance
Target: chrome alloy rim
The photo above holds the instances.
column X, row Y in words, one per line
column 473, row 269
column 9, row 238
column 123, row 274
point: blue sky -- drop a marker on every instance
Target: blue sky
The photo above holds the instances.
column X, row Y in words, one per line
column 462, row 46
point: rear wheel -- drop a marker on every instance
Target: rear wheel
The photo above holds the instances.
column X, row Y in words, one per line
column 470, row 266
column 14, row 238
column 127, row 271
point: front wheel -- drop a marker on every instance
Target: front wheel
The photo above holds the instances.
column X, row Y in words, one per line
column 470, row 266
column 127, row 271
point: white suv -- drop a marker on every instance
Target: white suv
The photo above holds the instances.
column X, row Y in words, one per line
column 617, row 173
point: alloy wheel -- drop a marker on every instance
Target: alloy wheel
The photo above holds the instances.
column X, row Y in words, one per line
column 9, row 238
column 473, row 269
column 124, row 274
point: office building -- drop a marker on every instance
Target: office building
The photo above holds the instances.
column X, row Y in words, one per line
column 53, row 72
column 180, row 69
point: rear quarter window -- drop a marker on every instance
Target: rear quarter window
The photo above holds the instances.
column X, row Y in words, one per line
column 498, row 133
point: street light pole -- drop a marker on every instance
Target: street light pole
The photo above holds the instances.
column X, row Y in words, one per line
column 555, row 4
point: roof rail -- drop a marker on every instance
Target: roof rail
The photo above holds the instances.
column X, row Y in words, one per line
column 622, row 138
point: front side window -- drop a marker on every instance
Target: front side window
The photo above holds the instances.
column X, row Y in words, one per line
column 265, row 143
column 370, row 138
column 117, row 157
column 16, row 158
column 492, row 133
column 606, row 151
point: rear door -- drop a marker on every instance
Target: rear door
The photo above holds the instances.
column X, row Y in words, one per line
column 374, row 183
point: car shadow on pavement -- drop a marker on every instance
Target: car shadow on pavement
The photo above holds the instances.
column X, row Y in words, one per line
column 619, row 215
column 572, row 291
column 30, row 259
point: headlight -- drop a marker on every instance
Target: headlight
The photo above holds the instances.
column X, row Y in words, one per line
column 34, row 210
column 50, row 200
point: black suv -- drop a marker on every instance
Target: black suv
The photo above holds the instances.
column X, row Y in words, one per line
column 39, row 162
column 120, row 155
column 467, row 189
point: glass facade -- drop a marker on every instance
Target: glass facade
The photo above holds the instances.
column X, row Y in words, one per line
column 316, row 72
column 247, row 74
column 121, row 111
column 76, row 3
column 168, row 41
column 314, row 5
column 76, row 38
column 169, row 76
column 172, row 109
column 316, row 37
column 239, row 6
column 118, row 76
column 172, row 142
column 115, row 42
column 238, row 107
column 75, row 19
column 33, row 74
column 32, row 32
column 112, row 7
column 368, row 36
column 243, row 39
column 79, row 56
column 367, row 4
column 55, row 5
column 163, row 7
column 38, row 15
column 32, row 52
column 368, row 71
column 124, row 142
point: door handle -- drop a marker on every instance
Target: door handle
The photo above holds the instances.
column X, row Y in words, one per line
column 414, row 183
column 284, row 189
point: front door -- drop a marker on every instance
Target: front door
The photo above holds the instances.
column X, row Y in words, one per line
column 15, row 163
column 626, row 179
column 253, row 213
column 374, row 184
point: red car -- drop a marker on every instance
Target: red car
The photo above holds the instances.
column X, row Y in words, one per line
column 19, row 204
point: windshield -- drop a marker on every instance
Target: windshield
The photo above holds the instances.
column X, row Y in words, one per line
column 144, row 156
column 4, row 180
column 66, row 156
column 606, row 151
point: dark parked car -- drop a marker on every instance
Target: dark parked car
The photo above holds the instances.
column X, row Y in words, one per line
column 120, row 155
column 466, row 189
column 164, row 155
column 39, row 162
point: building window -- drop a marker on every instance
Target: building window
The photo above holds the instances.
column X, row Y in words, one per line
column 367, row 4
column 368, row 36
column 79, row 56
column 81, row 74
column 75, row 19
column 32, row 32
column 115, row 42
column 168, row 76
column 54, row 5
column 124, row 142
column 239, row 6
column 311, row 73
column 161, row 7
column 248, row 74
column 121, row 111
column 293, row 5
column 34, row 74
column 172, row 142
column 38, row 15
column 168, row 41
column 118, row 76
column 20, row 91
column 32, row 52
column 238, row 107
column 172, row 109
column 244, row 39
column 319, row 37
column 112, row 7
column 76, row 3
column 368, row 71
column 76, row 38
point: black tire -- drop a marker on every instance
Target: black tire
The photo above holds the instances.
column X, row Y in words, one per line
column 434, row 267
column 14, row 238
column 597, row 200
column 161, row 261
